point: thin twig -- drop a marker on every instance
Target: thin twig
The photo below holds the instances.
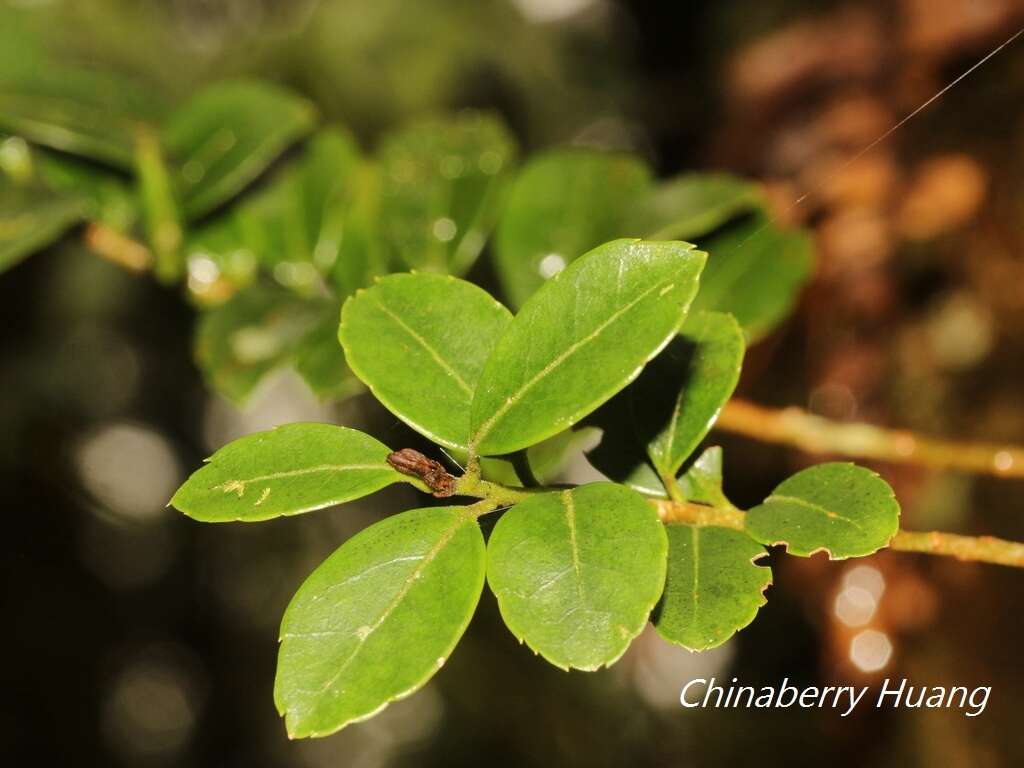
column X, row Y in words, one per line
column 981, row 549
column 796, row 427
column 116, row 247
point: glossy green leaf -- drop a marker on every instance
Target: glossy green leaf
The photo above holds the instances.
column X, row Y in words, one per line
column 703, row 369
column 378, row 618
column 260, row 330
column 440, row 185
column 755, row 271
column 286, row 471
column 84, row 112
column 580, row 339
column 577, row 572
column 419, row 342
column 561, row 205
column 838, row 508
column 688, row 206
column 32, row 218
column 227, row 136
column 713, row 587
column 652, row 426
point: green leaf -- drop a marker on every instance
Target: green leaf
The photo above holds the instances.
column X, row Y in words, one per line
column 32, row 218
column 547, row 458
column 441, row 179
column 713, row 587
column 419, row 342
column 320, row 361
column 580, row 339
column 361, row 254
column 160, row 208
column 662, row 416
column 839, row 508
column 227, row 136
column 755, row 271
column 286, row 471
column 688, row 206
column 576, row 573
column 561, row 205
column 260, row 330
column 702, row 482
column 296, row 226
column 378, row 618
column 84, row 112
column 330, row 172
column 702, row 369
column 107, row 195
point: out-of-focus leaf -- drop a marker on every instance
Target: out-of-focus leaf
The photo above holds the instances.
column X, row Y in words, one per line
column 713, row 587
column 378, row 618
column 419, row 342
column 329, row 181
column 227, row 136
column 320, row 362
column 108, row 197
column 576, row 573
column 688, row 206
column 296, row 227
column 260, row 330
column 159, row 207
column 755, row 271
column 580, row 339
column 32, row 218
column 659, row 419
column 440, row 185
column 838, row 508
column 286, row 471
column 562, row 204
column 84, row 112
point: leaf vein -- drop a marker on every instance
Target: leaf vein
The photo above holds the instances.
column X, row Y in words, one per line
column 411, row 579
column 499, row 414
column 444, row 364
column 815, row 507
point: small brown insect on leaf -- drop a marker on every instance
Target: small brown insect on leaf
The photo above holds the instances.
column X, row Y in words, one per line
column 433, row 474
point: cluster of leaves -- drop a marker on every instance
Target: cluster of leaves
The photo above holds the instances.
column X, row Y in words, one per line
column 577, row 571
column 271, row 220
column 275, row 224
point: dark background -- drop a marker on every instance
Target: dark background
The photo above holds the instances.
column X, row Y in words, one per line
column 132, row 636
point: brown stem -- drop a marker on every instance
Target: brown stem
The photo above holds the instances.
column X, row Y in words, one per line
column 116, row 247
column 697, row 514
column 814, row 434
column 983, row 549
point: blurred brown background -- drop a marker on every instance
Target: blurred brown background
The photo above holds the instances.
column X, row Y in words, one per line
column 135, row 637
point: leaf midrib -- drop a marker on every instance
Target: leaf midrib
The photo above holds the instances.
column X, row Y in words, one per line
column 487, row 427
column 434, row 354
column 411, row 579
column 570, row 521
column 829, row 514
column 298, row 472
